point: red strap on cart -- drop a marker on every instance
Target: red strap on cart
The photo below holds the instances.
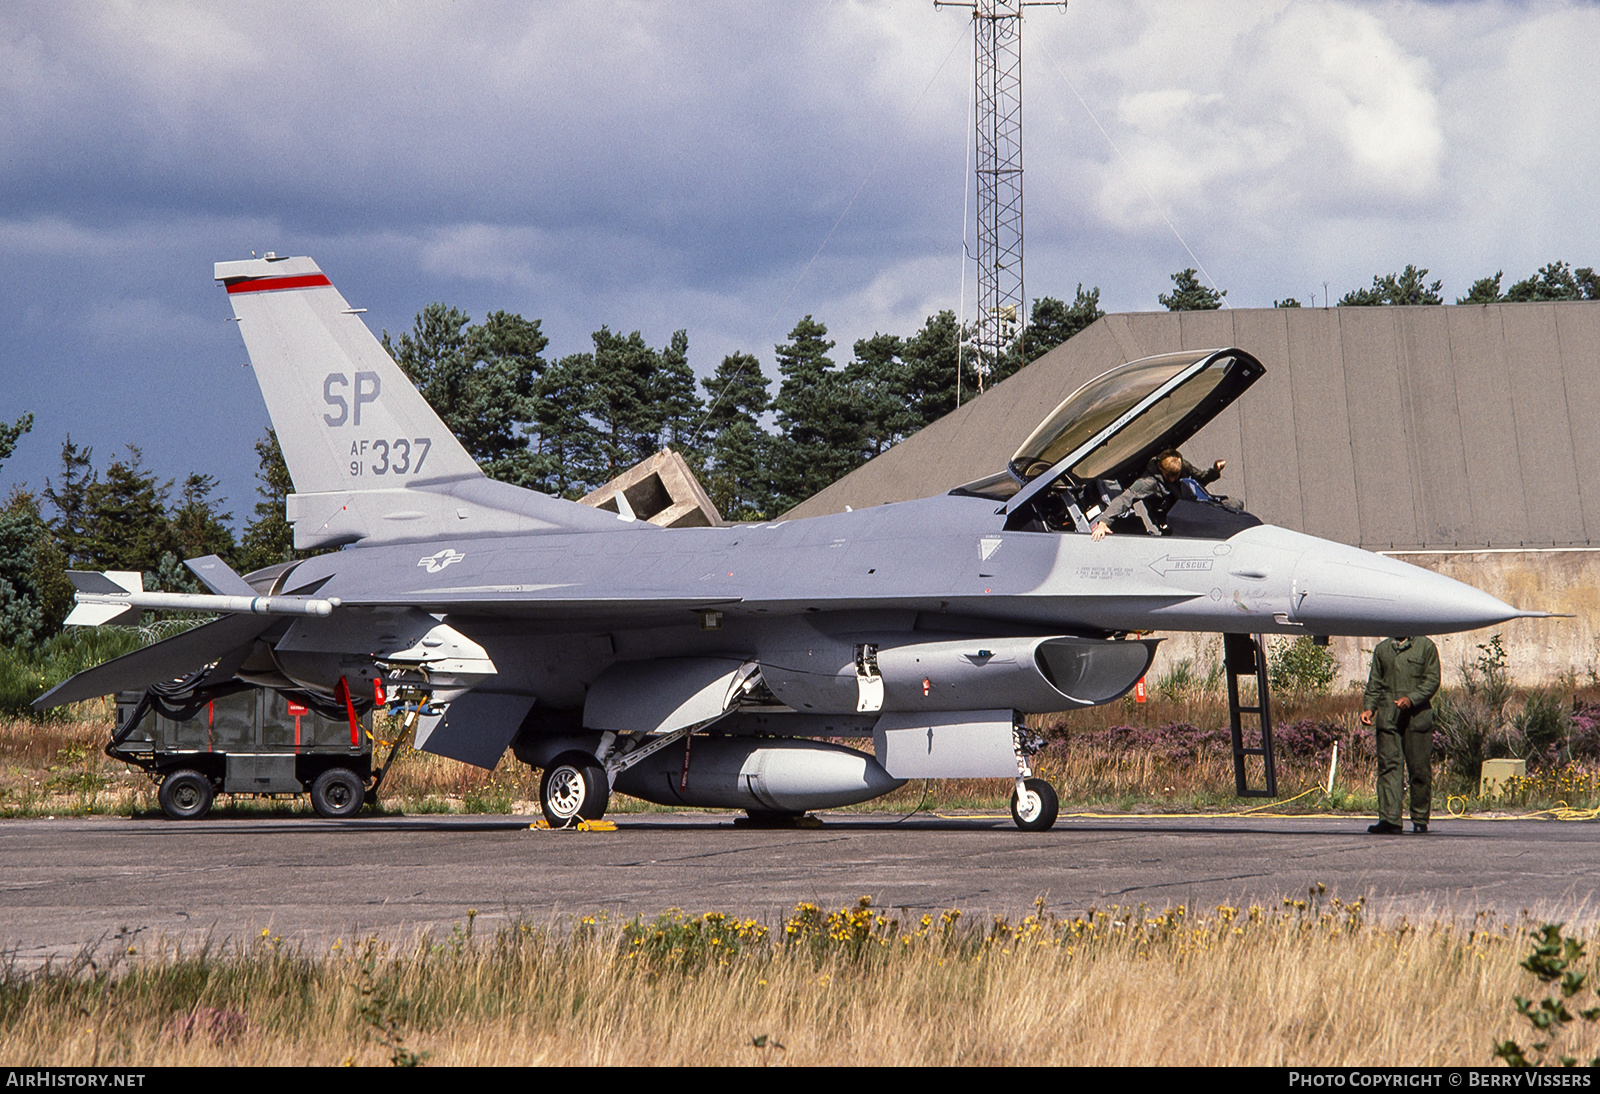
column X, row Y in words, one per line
column 343, row 692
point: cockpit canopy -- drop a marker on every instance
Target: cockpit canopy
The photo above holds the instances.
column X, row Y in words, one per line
column 1110, row 428
column 1114, row 424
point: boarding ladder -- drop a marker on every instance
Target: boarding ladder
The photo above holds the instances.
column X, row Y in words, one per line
column 1244, row 655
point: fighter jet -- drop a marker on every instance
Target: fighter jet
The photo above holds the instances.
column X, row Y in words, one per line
column 704, row 667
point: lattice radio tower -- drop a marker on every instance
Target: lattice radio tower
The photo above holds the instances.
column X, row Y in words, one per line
column 997, row 65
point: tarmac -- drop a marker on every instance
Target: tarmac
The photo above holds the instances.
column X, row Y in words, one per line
column 66, row 884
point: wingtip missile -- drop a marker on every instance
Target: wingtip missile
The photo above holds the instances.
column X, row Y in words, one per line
column 105, row 597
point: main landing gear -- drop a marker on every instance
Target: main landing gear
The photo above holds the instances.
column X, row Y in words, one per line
column 574, row 788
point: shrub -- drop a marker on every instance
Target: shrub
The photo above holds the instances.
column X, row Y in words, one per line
column 1542, row 728
column 28, row 671
column 1470, row 726
column 1301, row 666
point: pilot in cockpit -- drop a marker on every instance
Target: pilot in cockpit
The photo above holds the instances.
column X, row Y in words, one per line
column 1158, row 488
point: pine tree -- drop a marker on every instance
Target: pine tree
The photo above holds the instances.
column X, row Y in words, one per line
column 927, row 386
column 480, row 380
column 126, row 525
column 676, row 405
column 70, row 500
column 1485, row 290
column 822, row 428
column 197, row 528
column 1052, row 322
column 875, row 383
column 269, row 537
column 736, row 446
column 1554, row 281
column 10, row 433
column 1189, row 295
column 620, row 400
column 1406, row 287
column 506, row 355
column 32, row 574
column 565, row 439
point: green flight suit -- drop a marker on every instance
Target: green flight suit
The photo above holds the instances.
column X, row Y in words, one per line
column 1409, row 667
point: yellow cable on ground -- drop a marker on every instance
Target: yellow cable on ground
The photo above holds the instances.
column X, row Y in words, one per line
column 1560, row 811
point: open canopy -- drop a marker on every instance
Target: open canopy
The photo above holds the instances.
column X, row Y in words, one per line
column 1111, row 427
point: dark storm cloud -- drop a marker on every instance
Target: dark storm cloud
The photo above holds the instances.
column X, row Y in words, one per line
column 679, row 165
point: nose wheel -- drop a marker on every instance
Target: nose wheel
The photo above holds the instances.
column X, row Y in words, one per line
column 1034, row 805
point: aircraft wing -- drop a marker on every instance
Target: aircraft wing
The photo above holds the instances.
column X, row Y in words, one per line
column 542, row 604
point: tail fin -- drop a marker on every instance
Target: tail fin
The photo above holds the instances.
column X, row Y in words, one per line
column 370, row 459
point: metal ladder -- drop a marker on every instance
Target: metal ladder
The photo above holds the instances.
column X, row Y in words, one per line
column 1244, row 655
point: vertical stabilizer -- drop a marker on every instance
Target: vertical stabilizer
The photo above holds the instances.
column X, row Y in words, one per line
column 347, row 417
column 370, row 459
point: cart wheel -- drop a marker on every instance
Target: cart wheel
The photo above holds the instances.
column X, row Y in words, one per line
column 574, row 788
column 337, row 792
column 185, row 795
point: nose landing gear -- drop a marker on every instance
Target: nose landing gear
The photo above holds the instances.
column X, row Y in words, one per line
column 1034, row 805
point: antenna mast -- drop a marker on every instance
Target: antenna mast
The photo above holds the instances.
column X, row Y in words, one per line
column 997, row 67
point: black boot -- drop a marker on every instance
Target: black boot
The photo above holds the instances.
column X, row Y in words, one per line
column 1385, row 828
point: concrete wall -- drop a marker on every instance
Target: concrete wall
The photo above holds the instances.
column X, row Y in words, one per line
column 1417, row 428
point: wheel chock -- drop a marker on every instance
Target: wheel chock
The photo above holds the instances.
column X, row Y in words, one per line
column 582, row 826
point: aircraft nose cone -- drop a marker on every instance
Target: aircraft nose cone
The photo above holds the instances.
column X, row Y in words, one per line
column 1342, row 590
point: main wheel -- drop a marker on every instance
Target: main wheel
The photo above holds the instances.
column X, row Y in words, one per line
column 337, row 792
column 574, row 788
column 1036, row 810
column 185, row 795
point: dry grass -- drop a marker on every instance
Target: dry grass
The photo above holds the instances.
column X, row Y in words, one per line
column 1300, row 984
column 57, row 767
column 53, row 768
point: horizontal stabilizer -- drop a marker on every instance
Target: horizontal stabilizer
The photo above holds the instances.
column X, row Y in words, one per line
column 167, row 660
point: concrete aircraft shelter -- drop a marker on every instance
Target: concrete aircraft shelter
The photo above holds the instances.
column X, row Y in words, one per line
column 1459, row 438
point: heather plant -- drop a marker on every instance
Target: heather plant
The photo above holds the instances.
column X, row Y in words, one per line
column 1583, row 730
column 1309, row 739
column 1180, row 743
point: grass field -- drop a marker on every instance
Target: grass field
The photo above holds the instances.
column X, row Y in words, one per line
column 1308, row 982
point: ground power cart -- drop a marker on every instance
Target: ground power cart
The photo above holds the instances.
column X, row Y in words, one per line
column 240, row 739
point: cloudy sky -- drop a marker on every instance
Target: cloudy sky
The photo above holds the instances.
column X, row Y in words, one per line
column 660, row 165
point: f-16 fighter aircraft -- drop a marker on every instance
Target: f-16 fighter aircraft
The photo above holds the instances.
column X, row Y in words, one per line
column 703, row 667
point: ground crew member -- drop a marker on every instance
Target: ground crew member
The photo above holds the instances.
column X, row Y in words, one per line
column 1158, row 489
column 1398, row 704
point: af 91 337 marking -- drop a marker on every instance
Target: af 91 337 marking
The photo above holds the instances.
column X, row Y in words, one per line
column 393, row 457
